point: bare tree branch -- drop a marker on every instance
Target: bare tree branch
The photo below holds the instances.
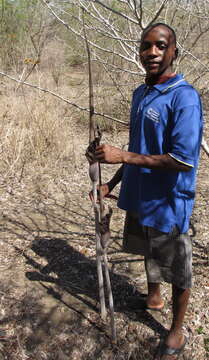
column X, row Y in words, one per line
column 159, row 11
column 116, row 12
column 128, row 58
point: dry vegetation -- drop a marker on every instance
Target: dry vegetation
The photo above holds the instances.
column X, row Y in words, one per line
column 48, row 282
column 49, row 295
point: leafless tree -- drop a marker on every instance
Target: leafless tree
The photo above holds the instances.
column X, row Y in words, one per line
column 114, row 29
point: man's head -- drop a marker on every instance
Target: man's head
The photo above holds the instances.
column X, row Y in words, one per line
column 158, row 49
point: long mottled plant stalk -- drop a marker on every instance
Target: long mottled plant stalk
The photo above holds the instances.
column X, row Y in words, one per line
column 94, row 173
column 102, row 213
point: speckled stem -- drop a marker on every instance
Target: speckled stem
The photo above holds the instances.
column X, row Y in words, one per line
column 94, row 173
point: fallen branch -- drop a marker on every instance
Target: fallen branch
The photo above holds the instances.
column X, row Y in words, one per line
column 102, row 213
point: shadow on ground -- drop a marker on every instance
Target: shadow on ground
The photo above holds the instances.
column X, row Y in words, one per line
column 60, row 311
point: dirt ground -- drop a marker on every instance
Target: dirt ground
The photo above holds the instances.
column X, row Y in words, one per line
column 49, row 295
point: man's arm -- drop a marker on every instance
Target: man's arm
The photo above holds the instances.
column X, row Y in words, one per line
column 115, row 179
column 109, row 186
column 112, row 155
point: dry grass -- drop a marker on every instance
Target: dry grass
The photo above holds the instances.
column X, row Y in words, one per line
column 48, row 292
column 35, row 130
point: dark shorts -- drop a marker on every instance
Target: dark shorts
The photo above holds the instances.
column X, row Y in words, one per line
column 168, row 256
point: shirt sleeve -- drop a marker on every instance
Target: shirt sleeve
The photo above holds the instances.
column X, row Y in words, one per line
column 186, row 134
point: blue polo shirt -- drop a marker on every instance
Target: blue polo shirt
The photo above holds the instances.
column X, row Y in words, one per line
column 165, row 119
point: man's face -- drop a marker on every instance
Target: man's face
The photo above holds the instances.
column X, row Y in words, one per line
column 157, row 51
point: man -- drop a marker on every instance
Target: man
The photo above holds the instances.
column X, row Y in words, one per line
column 158, row 177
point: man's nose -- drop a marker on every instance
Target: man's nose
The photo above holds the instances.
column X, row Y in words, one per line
column 153, row 51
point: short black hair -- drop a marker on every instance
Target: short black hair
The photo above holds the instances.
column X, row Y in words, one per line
column 152, row 26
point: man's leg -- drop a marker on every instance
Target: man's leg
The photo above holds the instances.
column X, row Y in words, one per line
column 154, row 299
column 174, row 265
column 175, row 338
column 180, row 294
column 180, row 301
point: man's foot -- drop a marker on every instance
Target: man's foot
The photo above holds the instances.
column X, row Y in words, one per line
column 142, row 303
column 154, row 300
column 155, row 303
column 166, row 351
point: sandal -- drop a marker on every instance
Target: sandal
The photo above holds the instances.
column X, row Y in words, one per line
column 164, row 349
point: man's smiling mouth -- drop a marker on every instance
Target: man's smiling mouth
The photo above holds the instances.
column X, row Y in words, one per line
column 152, row 63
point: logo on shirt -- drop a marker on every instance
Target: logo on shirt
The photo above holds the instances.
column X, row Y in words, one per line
column 153, row 115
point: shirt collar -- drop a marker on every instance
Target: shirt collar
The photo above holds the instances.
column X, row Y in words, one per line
column 173, row 81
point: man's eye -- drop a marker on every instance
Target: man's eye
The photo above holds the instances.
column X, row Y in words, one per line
column 162, row 46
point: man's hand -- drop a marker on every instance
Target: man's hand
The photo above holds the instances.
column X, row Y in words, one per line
column 109, row 154
column 104, row 190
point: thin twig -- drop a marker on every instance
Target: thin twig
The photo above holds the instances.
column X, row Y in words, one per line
column 205, row 146
column 117, row 12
